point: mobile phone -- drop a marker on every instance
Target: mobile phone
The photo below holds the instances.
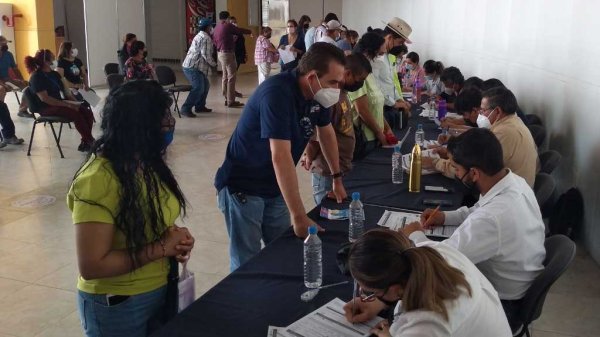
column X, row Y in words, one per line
column 115, row 299
column 436, row 202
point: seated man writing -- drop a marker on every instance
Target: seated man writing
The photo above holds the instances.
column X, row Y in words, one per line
column 503, row 233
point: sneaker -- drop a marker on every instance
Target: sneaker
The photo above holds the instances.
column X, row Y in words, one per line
column 2, row 144
column 14, row 140
column 205, row 109
column 235, row 104
column 24, row 114
column 238, row 94
column 188, row 114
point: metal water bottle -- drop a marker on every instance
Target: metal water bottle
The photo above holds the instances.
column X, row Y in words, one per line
column 414, row 181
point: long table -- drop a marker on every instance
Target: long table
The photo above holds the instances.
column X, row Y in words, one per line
column 266, row 290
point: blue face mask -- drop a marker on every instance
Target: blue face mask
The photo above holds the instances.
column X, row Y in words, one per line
column 428, row 78
column 410, row 67
column 167, row 138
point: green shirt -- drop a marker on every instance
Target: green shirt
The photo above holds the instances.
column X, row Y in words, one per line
column 376, row 102
column 397, row 84
column 94, row 197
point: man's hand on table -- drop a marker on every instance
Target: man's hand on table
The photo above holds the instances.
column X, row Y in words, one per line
column 427, row 163
column 441, row 151
column 411, row 228
column 339, row 190
column 438, row 219
column 301, row 224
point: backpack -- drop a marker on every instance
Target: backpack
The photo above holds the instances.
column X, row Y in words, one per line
column 567, row 215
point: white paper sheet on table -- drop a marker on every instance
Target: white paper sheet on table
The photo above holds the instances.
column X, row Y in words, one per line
column 286, row 55
column 397, row 220
column 425, row 153
column 330, row 321
column 275, row 331
column 453, row 115
column 407, row 94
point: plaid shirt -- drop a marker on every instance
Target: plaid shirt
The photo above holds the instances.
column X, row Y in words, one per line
column 262, row 53
column 200, row 54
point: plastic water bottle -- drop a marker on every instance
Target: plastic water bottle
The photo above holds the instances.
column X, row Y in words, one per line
column 416, row 94
column 432, row 107
column 313, row 259
column 420, row 135
column 397, row 176
column 357, row 218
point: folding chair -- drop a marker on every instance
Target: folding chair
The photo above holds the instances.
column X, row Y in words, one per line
column 166, row 78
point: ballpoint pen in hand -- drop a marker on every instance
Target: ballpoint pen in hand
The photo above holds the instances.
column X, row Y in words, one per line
column 426, row 224
column 354, row 291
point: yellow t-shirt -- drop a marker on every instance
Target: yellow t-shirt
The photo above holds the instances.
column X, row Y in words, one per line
column 376, row 102
column 97, row 184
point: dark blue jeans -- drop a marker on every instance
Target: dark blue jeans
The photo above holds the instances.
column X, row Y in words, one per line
column 200, row 87
column 8, row 127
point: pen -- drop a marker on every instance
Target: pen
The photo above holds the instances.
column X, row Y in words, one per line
column 353, row 300
column 431, row 216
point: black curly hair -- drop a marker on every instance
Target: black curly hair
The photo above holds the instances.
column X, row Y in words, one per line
column 133, row 120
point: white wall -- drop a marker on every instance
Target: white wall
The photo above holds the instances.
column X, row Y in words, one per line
column 165, row 28
column 543, row 50
column 106, row 22
column 72, row 17
column 314, row 9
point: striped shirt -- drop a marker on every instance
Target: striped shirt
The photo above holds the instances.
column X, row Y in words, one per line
column 200, row 54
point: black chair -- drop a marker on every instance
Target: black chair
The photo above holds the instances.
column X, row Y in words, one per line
column 111, row 68
column 549, row 161
column 538, row 133
column 560, row 252
column 34, row 104
column 543, row 188
column 114, row 80
column 166, row 77
column 533, row 119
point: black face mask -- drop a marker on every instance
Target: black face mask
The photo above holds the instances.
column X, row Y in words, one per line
column 469, row 123
column 354, row 87
column 306, row 26
column 4, row 48
column 391, row 304
column 145, row 54
column 471, row 187
column 396, row 50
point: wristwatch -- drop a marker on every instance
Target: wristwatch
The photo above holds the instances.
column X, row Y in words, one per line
column 337, row 175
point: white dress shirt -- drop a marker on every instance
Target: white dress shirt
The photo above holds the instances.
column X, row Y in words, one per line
column 480, row 314
column 383, row 72
column 503, row 234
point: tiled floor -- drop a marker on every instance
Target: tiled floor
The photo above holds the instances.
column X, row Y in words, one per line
column 37, row 258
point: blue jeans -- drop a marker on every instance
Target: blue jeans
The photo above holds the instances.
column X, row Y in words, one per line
column 321, row 185
column 199, row 92
column 136, row 316
column 249, row 219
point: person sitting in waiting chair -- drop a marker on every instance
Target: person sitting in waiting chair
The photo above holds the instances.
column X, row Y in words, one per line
column 72, row 69
column 47, row 85
column 10, row 83
column 503, row 234
column 137, row 68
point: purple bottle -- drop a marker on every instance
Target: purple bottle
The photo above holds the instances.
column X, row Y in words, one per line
column 442, row 109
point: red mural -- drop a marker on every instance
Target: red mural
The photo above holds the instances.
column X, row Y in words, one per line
column 195, row 10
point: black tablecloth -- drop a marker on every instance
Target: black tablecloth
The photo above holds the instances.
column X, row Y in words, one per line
column 266, row 290
column 372, row 176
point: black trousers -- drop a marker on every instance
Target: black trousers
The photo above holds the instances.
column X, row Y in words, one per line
column 8, row 127
column 512, row 309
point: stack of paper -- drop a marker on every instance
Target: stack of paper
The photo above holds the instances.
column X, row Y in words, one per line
column 327, row 321
column 397, row 220
column 425, row 153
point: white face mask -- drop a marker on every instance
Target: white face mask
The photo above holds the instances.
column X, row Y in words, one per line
column 483, row 122
column 54, row 64
column 449, row 91
column 327, row 97
column 74, row 52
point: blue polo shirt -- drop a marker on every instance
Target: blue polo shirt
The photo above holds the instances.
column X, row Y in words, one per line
column 7, row 61
column 276, row 110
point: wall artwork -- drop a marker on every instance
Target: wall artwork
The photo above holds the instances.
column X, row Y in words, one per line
column 194, row 11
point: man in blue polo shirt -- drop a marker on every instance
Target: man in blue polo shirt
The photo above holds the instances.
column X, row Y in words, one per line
column 8, row 84
column 257, row 183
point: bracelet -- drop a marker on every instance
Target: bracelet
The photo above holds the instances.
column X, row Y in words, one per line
column 337, row 175
column 162, row 244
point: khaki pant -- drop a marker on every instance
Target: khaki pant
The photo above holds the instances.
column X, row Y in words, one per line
column 229, row 68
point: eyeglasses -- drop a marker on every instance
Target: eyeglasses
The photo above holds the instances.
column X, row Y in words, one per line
column 370, row 296
column 482, row 110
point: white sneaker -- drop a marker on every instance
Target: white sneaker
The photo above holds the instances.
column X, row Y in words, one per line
column 2, row 144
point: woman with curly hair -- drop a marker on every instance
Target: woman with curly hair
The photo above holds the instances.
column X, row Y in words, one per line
column 125, row 202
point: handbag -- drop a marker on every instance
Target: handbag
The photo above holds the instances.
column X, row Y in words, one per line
column 360, row 146
column 187, row 288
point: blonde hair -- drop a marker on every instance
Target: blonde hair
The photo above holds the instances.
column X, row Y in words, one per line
column 381, row 258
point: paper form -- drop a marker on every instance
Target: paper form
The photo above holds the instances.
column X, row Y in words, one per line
column 424, row 153
column 275, row 331
column 330, row 321
column 397, row 220
column 286, row 55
